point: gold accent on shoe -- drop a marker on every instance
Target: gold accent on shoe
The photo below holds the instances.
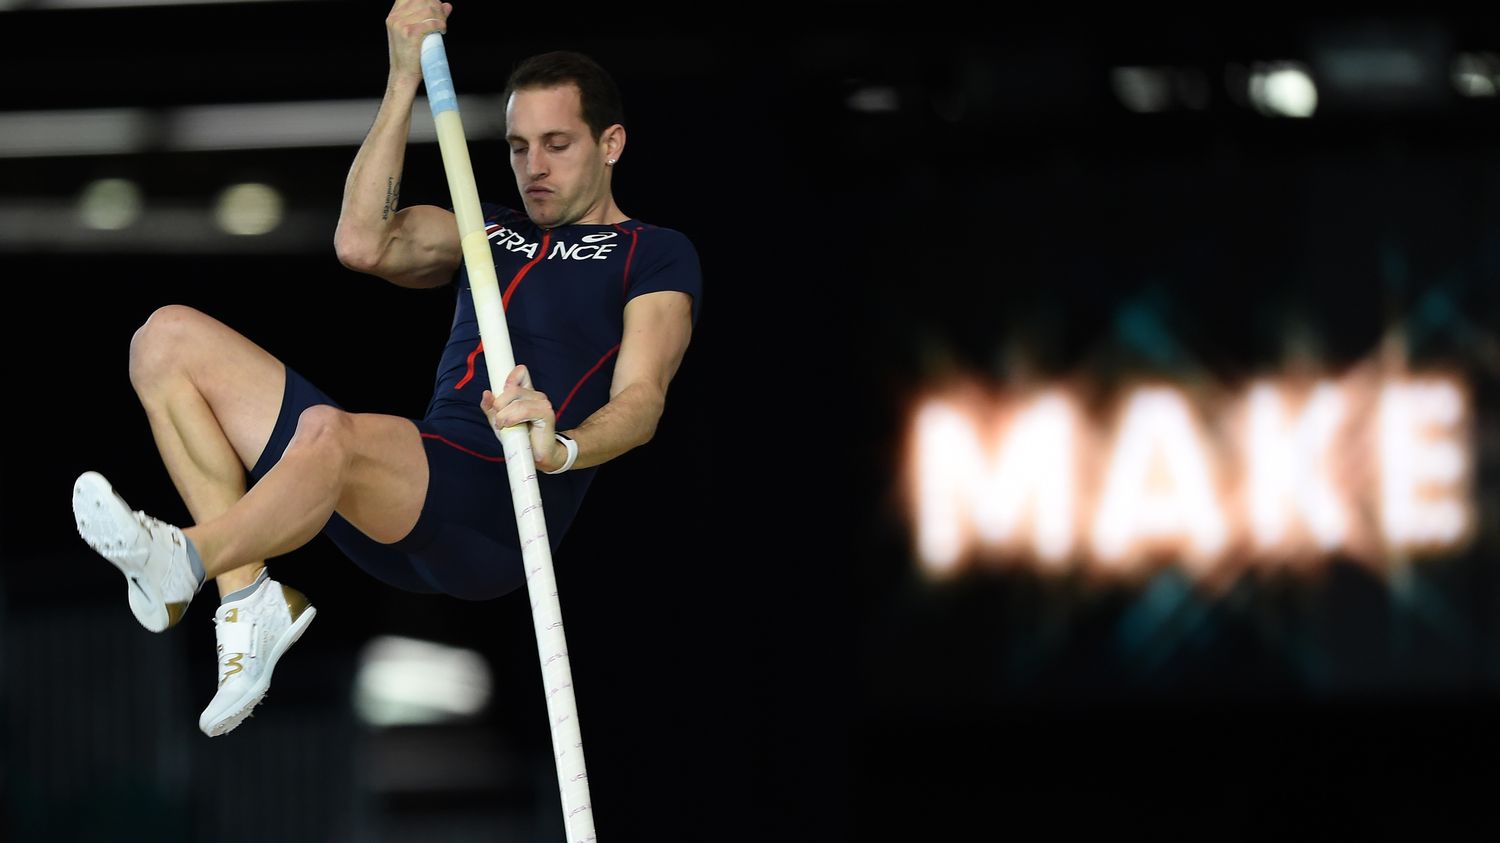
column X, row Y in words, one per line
column 233, row 615
column 295, row 601
column 175, row 611
column 234, row 660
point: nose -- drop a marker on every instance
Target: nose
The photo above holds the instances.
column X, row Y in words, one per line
column 536, row 164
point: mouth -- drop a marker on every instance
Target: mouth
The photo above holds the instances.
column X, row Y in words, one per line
column 537, row 192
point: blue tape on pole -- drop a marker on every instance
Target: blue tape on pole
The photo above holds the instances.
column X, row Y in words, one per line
column 435, row 74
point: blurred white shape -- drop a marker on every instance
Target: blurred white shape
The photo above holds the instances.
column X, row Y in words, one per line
column 48, row 223
column 112, row 4
column 267, row 125
column 1034, row 475
column 105, row 131
column 1158, row 486
column 1476, row 74
column 407, row 681
column 248, row 209
column 1028, row 482
column 1283, row 89
column 1288, row 466
column 950, row 460
column 276, row 125
column 109, row 204
column 1143, row 90
column 874, row 99
column 194, row 128
column 1421, row 461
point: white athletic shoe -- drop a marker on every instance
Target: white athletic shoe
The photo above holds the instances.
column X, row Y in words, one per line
column 150, row 553
column 253, row 632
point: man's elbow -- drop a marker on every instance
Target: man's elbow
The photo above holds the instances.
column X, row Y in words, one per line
column 355, row 253
column 657, row 404
column 647, row 434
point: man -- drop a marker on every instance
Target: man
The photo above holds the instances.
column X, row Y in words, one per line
column 600, row 307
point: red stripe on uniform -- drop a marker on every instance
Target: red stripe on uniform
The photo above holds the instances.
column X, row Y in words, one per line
column 462, row 448
column 541, row 253
column 586, row 376
column 469, row 375
column 505, row 305
column 625, row 279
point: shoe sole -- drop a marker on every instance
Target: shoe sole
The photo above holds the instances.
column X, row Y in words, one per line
column 98, row 511
column 257, row 692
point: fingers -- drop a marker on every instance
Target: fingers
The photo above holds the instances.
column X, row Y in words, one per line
column 514, row 392
column 518, row 403
column 426, row 26
column 414, row 20
column 408, row 23
column 410, row 13
column 536, row 410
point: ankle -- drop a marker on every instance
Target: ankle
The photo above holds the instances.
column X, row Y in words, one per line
column 239, row 579
column 229, row 596
column 194, row 560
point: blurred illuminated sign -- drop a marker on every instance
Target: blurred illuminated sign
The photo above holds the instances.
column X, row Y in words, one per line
column 1367, row 467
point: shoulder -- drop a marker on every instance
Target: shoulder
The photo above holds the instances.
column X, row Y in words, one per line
column 659, row 241
column 665, row 259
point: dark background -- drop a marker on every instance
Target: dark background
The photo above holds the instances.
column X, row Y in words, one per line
column 1029, row 227
column 756, row 652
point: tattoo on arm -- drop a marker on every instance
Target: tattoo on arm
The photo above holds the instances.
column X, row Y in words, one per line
column 392, row 193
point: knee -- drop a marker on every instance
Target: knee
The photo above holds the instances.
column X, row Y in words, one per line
column 157, row 347
column 325, row 428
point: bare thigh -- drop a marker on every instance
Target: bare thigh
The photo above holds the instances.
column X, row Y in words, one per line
column 386, row 483
column 242, row 382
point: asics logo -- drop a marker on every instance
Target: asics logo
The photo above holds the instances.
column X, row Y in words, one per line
column 598, row 238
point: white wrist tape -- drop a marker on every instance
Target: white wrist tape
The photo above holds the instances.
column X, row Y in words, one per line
column 572, row 453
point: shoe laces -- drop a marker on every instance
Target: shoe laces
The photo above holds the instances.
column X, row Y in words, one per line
column 151, row 524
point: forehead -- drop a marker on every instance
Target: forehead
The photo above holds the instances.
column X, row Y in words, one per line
column 533, row 111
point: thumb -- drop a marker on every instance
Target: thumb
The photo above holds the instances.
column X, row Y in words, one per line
column 518, row 376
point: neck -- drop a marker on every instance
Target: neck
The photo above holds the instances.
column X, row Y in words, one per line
column 605, row 212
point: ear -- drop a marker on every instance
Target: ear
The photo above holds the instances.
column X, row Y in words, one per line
column 612, row 142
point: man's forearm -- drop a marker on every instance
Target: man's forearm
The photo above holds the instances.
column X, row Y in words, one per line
column 373, row 186
column 627, row 421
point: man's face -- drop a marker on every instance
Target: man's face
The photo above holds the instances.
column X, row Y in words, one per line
column 555, row 157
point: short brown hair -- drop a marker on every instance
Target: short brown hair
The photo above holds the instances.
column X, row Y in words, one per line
column 597, row 91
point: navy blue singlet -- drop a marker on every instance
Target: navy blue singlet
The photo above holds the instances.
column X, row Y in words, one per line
column 564, row 291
